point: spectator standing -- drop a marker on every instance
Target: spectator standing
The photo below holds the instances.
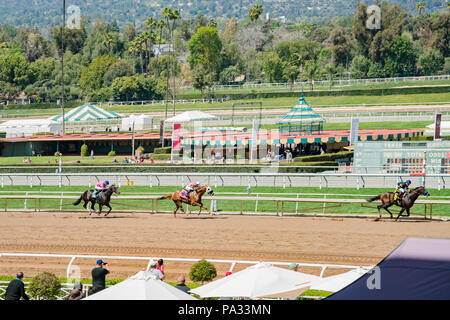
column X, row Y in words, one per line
column 160, row 266
column 181, row 284
column 99, row 277
column 158, row 274
column 16, row 289
column 77, row 292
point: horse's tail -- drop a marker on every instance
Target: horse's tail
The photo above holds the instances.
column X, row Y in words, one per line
column 167, row 196
column 78, row 201
column 374, row 198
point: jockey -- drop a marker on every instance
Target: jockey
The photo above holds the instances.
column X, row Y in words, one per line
column 101, row 186
column 402, row 187
column 191, row 187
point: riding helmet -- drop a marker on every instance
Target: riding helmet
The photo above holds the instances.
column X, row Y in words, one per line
column 106, row 182
column 408, row 181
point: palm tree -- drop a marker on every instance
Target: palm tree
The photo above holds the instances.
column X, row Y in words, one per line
column 420, row 6
column 108, row 41
column 212, row 23
column 175, row 16
column 167, row 14
column 255, row 12
column 448, row 5
column 312, row 71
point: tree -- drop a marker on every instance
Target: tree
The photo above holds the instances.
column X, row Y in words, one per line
column 290, row 73
column 330, row 70
column 204, row 48
column 359, row 67
column 255, row 12
column 430, row 62
column 420, row 6
column 121, row 68
column 230, row 31
column 311, row 71
column 201, row 78
column 14, row 69
column 401, row 59
column 92, row 76
column 200, row 21
column 273, row 67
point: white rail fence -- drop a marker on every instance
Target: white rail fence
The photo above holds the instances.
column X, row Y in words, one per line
column 67, row 287
column 269, row 178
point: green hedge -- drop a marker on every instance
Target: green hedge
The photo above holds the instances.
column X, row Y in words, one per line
column 325, row 157
column 160, row 156
column 321, row 93
column 165, row 150
column 46, row 105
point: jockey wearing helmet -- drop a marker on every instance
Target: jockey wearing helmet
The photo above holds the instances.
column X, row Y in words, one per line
column 402, row 187
column 191, row 187
column 101, row 186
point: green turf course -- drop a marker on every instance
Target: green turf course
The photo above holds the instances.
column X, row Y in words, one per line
column 268, row 103
column 231, row 206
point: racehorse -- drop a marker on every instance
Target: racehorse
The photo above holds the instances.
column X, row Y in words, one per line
column 407, row 201
column 195, row 199
column 103, row 199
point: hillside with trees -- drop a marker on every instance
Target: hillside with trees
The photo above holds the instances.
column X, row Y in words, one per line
column 104, row 61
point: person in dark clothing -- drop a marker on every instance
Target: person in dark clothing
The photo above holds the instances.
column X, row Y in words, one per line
column 180, row 284
column 98, row 277
column 77, row 292
column 16, row 289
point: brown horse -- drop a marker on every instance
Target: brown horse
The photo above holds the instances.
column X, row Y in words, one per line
column 407, row 201
column 195, row 199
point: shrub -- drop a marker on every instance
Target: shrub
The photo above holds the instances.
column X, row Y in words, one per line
column 58, row 154
column 325, row 157
column 141, row 148
column 164, row 150
column 160, row 157
column 84, row 150
column 202, row 271
column 45, row 286
column 112, row 153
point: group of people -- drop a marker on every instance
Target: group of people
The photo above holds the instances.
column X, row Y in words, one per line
column 16, row 287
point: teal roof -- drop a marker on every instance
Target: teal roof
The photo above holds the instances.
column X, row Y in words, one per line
column 301, row 113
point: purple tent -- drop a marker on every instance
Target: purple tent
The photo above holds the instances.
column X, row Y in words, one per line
column 417, row 269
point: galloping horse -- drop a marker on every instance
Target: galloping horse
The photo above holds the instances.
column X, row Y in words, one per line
column 103, row 199
column 407, row 201
column 195, row 199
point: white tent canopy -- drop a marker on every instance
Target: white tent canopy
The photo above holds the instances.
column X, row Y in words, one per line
column 141, row 122
column 339, row 281
column 26, row 127
column 260, row 280
column 190, row 116
column 141, row 286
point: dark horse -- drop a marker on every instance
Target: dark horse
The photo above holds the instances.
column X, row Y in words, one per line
column 103, row 199
column 195, row 199
column 407, row 201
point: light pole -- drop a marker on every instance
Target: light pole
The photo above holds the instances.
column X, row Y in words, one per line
column 62, row 66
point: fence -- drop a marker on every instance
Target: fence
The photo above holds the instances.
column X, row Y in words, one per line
column 281, row 204
column 68, row 286
column 268, row 177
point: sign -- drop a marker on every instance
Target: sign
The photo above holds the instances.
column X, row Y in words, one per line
column 354, row 131
column 176, row 136
column 437, row 126
column 254, row 145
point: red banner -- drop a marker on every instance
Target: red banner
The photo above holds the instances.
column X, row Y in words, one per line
column 176, row 136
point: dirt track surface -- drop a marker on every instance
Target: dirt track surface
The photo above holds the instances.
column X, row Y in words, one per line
column 348, row 241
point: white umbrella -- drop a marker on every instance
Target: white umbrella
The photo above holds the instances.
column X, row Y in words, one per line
column 141, row 286
column 339, row 281
column 190, row 116
column 260, row 280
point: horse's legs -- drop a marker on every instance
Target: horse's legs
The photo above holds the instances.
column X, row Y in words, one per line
column 176, row 209
column 107, row 204
column 198, row 204
column 92, row 208
column 400, row 213
column 100, row 206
